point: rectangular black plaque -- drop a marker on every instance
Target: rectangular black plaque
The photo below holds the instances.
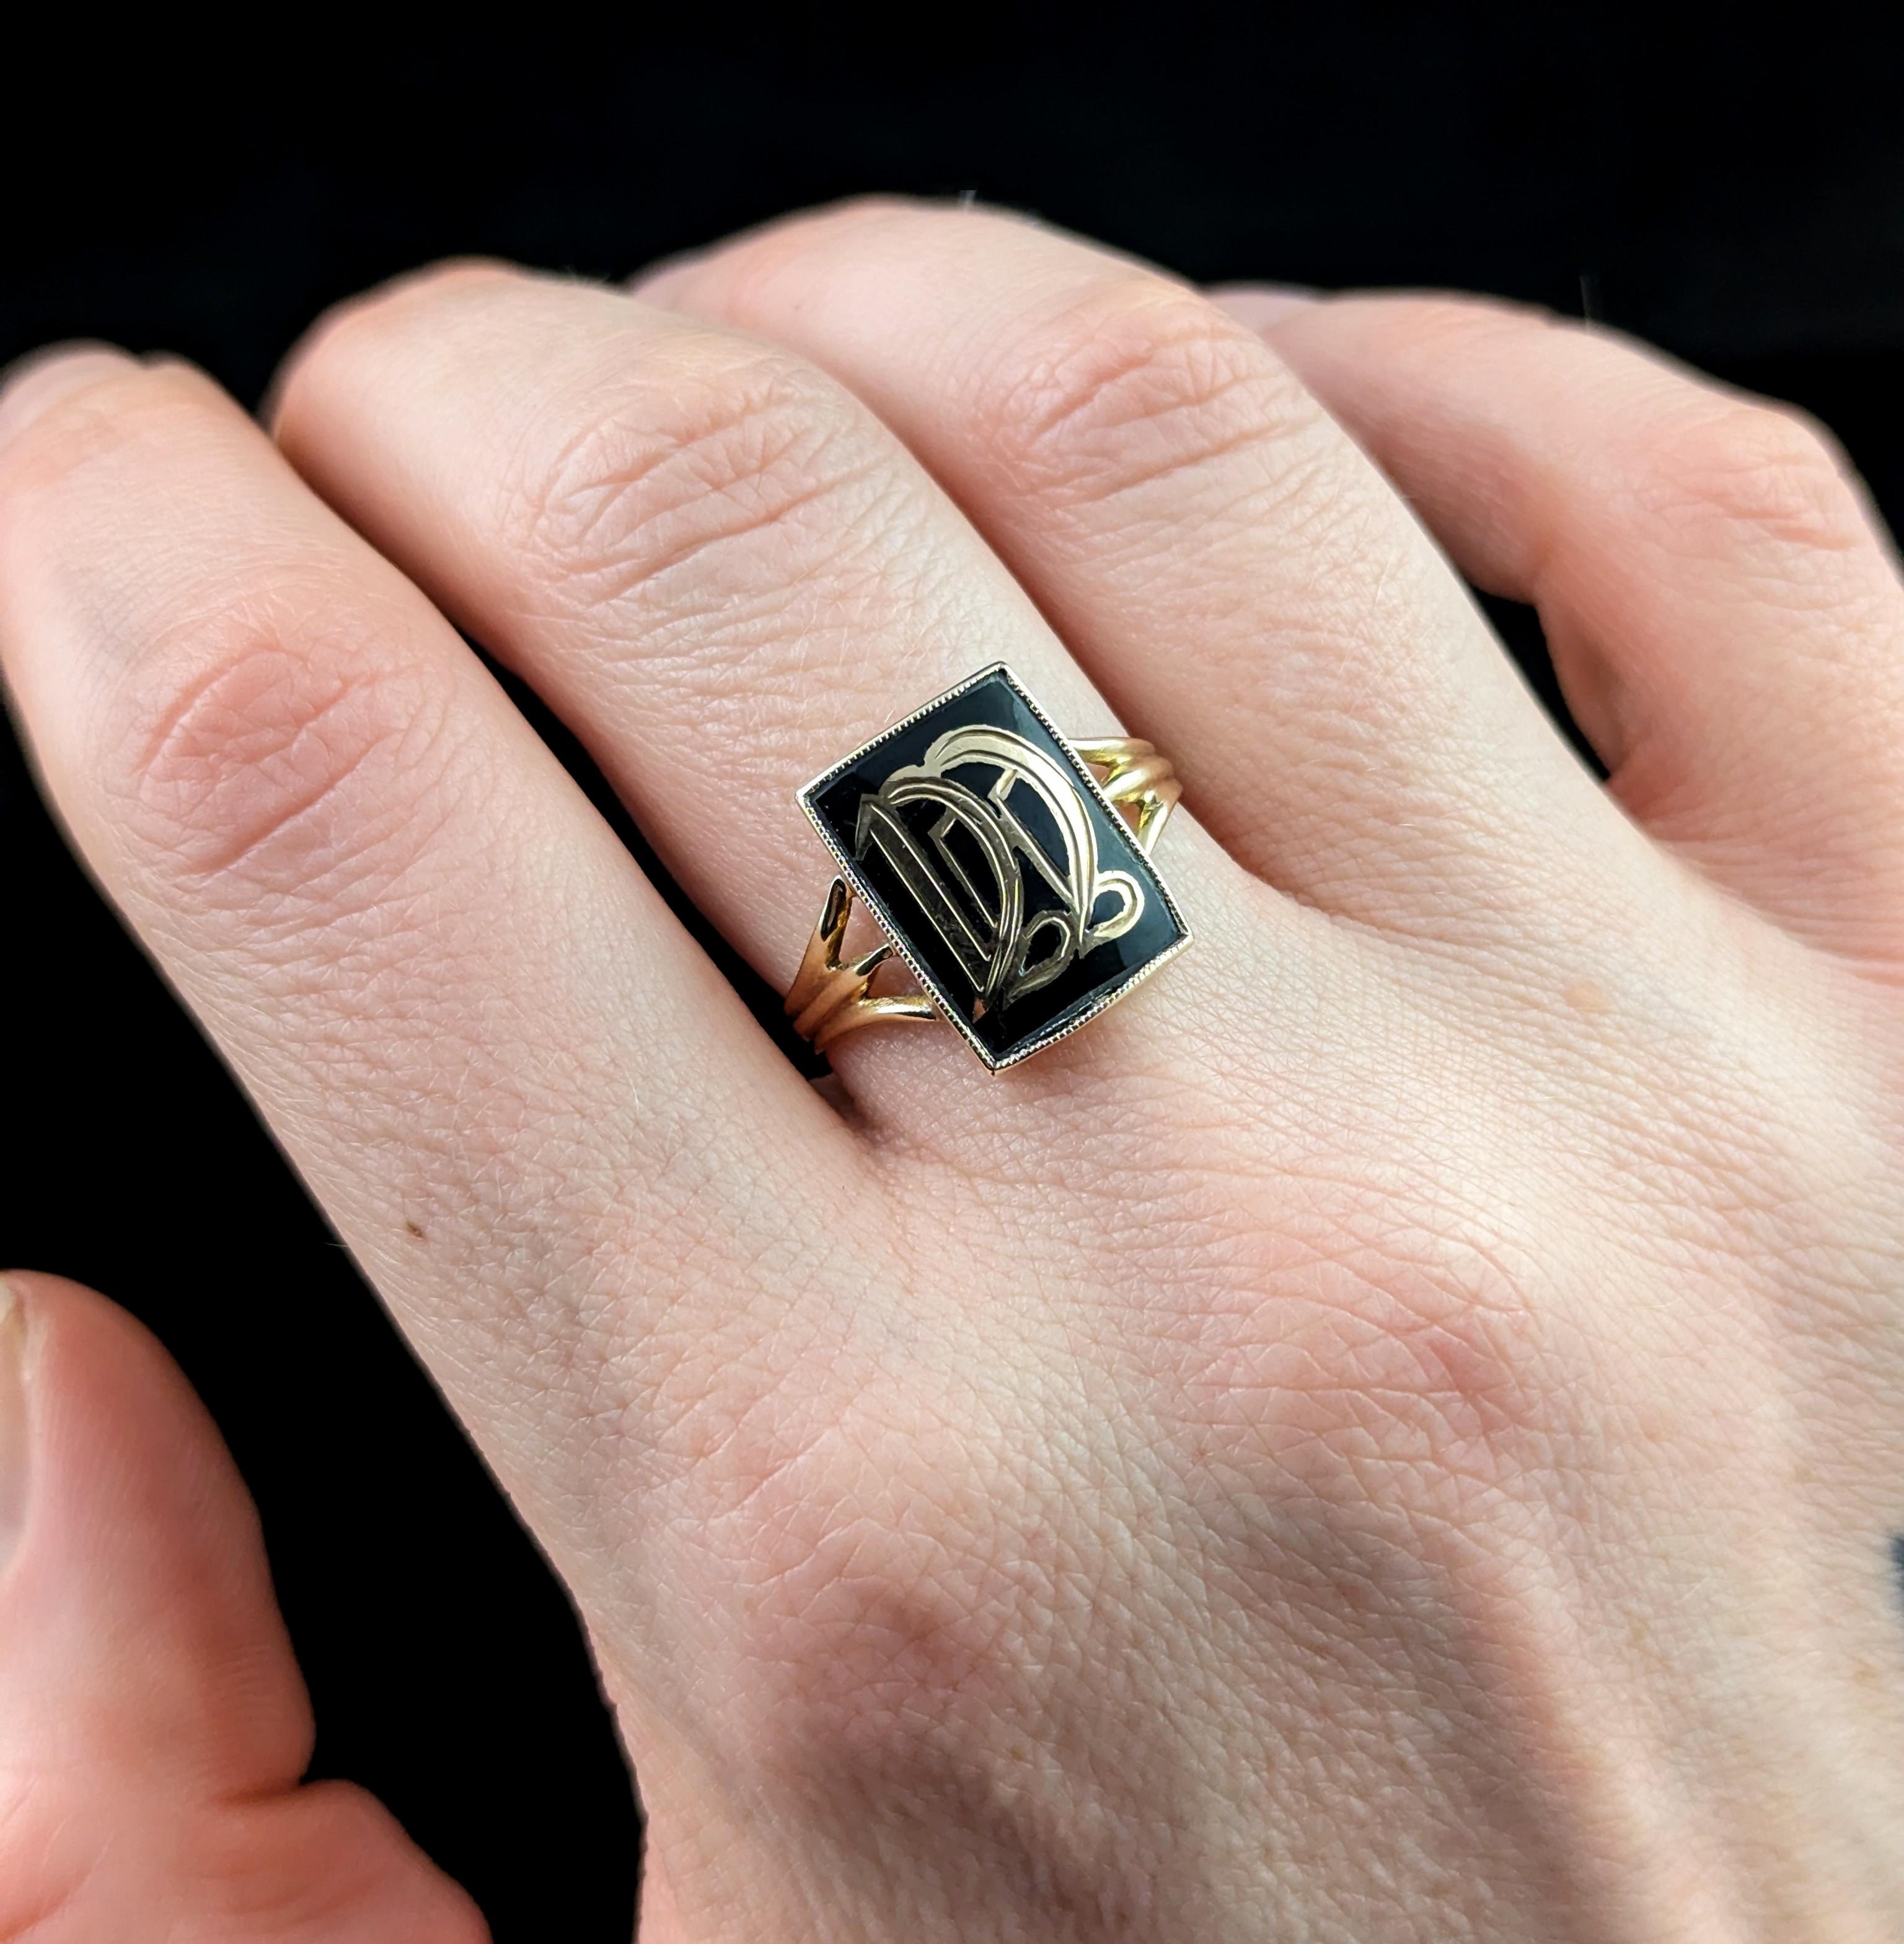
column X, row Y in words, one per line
column 977, row 839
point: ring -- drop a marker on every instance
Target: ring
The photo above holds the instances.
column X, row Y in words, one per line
column 1009, row 868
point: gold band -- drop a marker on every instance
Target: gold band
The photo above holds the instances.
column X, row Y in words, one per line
column 831, row 997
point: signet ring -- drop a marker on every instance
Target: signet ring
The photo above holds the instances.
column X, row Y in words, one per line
column 1008, row 867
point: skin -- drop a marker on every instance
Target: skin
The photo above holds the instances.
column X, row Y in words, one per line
column 1395, row 1433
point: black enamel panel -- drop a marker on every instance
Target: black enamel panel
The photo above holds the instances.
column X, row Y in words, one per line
column 978, row 841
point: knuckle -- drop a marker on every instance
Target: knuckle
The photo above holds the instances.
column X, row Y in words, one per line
column 1438, row 326
column 791, row 238
column 1419, row 1364
column 718, row 458
column 125, row 406
column 1463, row 316
column 863, row 1534
column 1764, row 470
column 904, row 1590
column 1139, row 380
column 258, row 745
column 354, row 327
column 450, row 278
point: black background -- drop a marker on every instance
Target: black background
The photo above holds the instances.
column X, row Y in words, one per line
column 1731, row 185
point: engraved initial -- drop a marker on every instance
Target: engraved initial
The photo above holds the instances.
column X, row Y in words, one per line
column 973, row 894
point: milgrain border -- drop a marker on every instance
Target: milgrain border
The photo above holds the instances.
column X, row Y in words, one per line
column 850, row 870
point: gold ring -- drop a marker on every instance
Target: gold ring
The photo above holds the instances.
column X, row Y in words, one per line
column 1009, row 868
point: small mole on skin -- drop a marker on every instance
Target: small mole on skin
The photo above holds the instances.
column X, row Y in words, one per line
column 410, row 1228
column 1588, row 995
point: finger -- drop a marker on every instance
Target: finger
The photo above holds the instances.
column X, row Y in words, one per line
column 153, row 1725
column 1230, row 569
column 1724, row 617
column 533, row 1109
column 720, row 568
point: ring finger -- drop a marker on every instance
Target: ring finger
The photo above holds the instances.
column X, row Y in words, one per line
column 720, row 568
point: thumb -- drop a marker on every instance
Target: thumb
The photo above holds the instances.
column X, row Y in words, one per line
column 153, row 1724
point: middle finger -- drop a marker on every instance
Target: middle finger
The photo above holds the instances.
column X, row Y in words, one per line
column 1223, row 560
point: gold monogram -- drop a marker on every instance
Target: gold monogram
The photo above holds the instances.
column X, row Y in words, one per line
column 966, row 869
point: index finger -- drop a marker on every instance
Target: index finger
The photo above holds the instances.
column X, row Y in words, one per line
column 534, row 1110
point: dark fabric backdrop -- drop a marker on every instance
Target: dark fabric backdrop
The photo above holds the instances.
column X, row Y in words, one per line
column 1735, row 193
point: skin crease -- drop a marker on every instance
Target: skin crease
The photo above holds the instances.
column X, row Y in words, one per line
column 1394, row 1433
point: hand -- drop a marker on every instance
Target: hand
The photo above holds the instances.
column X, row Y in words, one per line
column 1396, row 1431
